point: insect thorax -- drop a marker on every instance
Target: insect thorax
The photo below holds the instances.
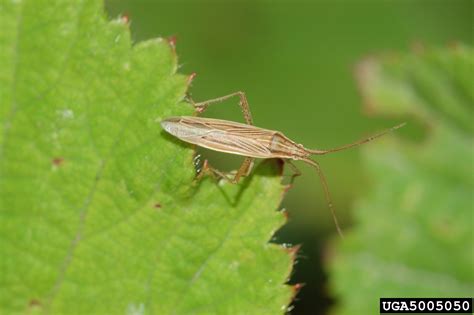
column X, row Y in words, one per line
column 283, row 147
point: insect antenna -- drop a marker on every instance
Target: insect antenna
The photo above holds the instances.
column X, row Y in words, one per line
column 326, row 192
column 354, row 144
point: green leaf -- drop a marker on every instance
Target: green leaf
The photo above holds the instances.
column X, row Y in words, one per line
column 99, row 210
column 413, row 233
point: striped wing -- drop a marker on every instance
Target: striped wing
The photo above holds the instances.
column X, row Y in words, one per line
column 222, row 135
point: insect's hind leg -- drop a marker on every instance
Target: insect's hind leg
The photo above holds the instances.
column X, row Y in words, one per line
column 243, row 103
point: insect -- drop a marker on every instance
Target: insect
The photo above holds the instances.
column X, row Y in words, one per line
column 250, row 141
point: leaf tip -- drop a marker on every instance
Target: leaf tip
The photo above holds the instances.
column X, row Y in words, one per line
column 295, row 289
column 125, row 18
column 283, row 211
column 191, row 78
column 172, row 42
column 292, row 250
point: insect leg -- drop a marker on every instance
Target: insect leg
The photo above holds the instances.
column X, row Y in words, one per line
column 247, row 164
column 244, row 105
column 208, row 169
column 204, row 169
column 296, row 171
column 221, row 175
column 326, row 192
column 244, row 169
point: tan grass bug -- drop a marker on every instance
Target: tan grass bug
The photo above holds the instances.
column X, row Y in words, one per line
column 249, row 141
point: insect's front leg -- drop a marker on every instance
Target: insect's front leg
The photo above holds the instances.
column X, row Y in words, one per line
column 244, row 105
column 296, row 171
column 324, row 183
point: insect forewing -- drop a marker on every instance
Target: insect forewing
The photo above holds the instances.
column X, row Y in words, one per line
column 222, row 135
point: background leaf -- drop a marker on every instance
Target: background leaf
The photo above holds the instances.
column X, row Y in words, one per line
column 98, row 211
column 413, row 233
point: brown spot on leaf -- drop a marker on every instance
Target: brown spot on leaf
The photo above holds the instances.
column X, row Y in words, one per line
column 57, row 161
column 34, row 303
column 157, row 206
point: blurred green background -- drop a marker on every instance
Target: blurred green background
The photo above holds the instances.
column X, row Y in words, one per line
column 295, row 61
